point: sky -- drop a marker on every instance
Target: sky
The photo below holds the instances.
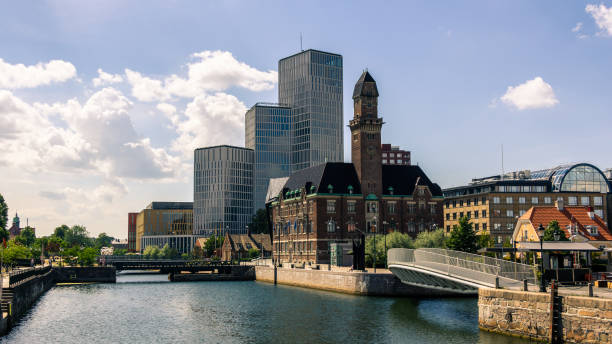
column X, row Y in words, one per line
column 103, row 102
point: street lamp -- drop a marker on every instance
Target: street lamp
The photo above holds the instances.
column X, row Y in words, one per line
column 375, row 251
column 385, row 223
column 541, row 231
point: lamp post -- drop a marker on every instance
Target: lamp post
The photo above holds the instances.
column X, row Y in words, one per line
column 541, row 231
column 375, row 251
column 385, row 223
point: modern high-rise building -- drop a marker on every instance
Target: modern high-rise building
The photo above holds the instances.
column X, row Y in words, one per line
column 223, row 190
column 310, row 82
column 268, row 134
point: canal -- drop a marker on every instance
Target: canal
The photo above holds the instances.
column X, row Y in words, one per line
column 148, row 309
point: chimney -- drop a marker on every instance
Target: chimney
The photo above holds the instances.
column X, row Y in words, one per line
column 559, row 204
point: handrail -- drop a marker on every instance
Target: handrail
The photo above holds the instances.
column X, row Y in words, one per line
column 17, row 277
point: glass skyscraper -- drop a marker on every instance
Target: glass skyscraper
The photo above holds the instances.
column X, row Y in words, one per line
column 223, row 190
column 268, row 133
column 310, row 82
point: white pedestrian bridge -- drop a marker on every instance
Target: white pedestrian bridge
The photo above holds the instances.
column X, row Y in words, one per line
column 457, row 272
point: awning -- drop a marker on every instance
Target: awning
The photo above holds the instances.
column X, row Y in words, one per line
column 524, row 246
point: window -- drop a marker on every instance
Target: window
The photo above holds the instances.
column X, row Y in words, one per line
column 461, row 203
column 509, row 213
column 547, row 200
column 384, row 161
column 331, row 207
column 447, row 229
column 597, row 201
column 391, row 207
column 421, row 206
column 475, row 214
column 448, row 216
column 432, row 209
column 534, row 200
column 509, row 226
column 496, row 200
column 399, row 161
column 592, row 230
column 469, row 214
column 392, row 155
column 572, row 200
column 476, row 227
column 475, row 201
column 411, row 208
column 454, row 204
column 447, row 205
column 521, row 212
column 460, row 214
column 501, row 188
column 599, row 213
column 484, row 200
column 331, row 226
column 484, row 213
column 522, row 200
column 484, row 226
column 469, row 202
column 421, row 191
column 497, row 226
column 351, row 207
column 384, row 155
column 508, row 200
column 371, row 207
column 584, row 200
column 454, row 216
column 411, row 227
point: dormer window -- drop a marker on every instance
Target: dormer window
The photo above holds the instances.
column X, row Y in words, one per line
column 592, row 230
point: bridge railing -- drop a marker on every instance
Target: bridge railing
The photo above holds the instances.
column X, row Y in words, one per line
column 471, row 267
column 17, row 277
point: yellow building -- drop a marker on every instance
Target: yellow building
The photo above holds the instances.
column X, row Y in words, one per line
column 163, row 223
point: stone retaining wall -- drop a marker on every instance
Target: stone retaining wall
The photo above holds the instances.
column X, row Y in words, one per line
column 358, row 283
column 98, row 274
column 527, row 314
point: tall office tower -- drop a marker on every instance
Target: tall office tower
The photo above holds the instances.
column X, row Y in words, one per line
column 310, row 82
column 222, row 190
column 268, row 133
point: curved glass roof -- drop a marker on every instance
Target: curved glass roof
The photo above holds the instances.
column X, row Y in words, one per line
column 575, row 177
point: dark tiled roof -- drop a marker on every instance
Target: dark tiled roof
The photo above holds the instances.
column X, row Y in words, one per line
column 360, row 90
column 403, row 179
column 338, row 174
column 170, row 205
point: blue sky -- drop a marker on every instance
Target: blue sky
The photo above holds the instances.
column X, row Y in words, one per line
column 457, row 80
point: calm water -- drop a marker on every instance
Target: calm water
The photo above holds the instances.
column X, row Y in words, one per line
column 148, row 309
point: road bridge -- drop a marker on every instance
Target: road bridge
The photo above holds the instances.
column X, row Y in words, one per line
column 455, row 271
column 122, row 263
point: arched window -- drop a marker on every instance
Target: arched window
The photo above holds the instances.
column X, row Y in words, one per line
column 584, row 178
column 331, row 226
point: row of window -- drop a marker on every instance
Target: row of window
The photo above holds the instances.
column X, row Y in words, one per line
column 571, row 200
column 467, row 202
column 482, row 213
column 399, row 155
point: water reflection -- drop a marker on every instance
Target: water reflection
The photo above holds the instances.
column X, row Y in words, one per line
column 140, row 309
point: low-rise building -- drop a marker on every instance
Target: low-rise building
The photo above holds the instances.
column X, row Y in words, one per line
column 162, row 223
column 393, row 155
column 237, row 246
column 494, row 203
column 15, row 229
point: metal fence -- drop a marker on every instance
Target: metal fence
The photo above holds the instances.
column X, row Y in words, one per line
column 17, row 277
column 470, row 267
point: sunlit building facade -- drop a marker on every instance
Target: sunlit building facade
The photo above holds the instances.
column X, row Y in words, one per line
column 268, row 134
column 223, row 190
column 162, row 223
column 310, row 82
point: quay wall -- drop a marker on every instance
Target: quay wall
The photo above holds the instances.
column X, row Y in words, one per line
column 237, row 273
column 25, row 294
column 98, row 274
column 527, row 314
column 354, row 282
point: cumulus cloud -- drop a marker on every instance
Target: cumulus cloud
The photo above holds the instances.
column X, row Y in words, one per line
column 210, row 120
column 15, row 76
column 212, row 71
column 106, row 78
column 578, row 27
column 533, row 94
column 602, row 16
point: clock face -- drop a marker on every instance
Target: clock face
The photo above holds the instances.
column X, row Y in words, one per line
column 371, row 149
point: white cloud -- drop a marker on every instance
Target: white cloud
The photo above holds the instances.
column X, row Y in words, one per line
column 106, row 78
column 602, row 16
column 22, row 76
column 210, row 120
column 578, row 27
column 213, row 71
column 533, row 94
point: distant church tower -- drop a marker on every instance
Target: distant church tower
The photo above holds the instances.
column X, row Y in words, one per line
column 365, row 136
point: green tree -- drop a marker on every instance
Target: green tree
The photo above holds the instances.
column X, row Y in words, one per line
column 259, row 222
column 87, row 256
column 151, row 252
column 77, row 236
column 485, row 240
column 432, row 239
column 462, row 237
column 3, row 213
column 168, row 252
column 393, row 240
column 60, row 231
column 15, row 251
column 27, row 237
column 53, row 245
column 103, row 240
column 4, row 234
column 549, row 233
column 253, row 253
column 120, row 252
column 212, row 243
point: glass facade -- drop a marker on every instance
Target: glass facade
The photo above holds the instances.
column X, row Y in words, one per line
column 583, row 178
column 311, row 83
column 268, row 133
column 223, row 190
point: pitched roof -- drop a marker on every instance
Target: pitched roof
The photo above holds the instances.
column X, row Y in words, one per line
column 340, row 175
column 275, row 186
column 569, row 215
column 365, row 86
column 404, row 178
column 245, row 242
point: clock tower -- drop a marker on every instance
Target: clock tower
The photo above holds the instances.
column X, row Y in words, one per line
column 365, row 136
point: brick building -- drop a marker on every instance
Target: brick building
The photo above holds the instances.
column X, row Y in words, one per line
column 393, row 155
column 334, row 202
column 132, row 217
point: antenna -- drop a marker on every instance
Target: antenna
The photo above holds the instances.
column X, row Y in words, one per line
column 301, row 49
column 502, row 157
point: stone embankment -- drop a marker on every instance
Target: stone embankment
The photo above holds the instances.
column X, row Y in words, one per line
column 348, row 282
column 531, row 315
column 237, row 273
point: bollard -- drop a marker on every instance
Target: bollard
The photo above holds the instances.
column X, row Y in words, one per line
column 590, row 289
column 496, row 282
column 525, row 288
